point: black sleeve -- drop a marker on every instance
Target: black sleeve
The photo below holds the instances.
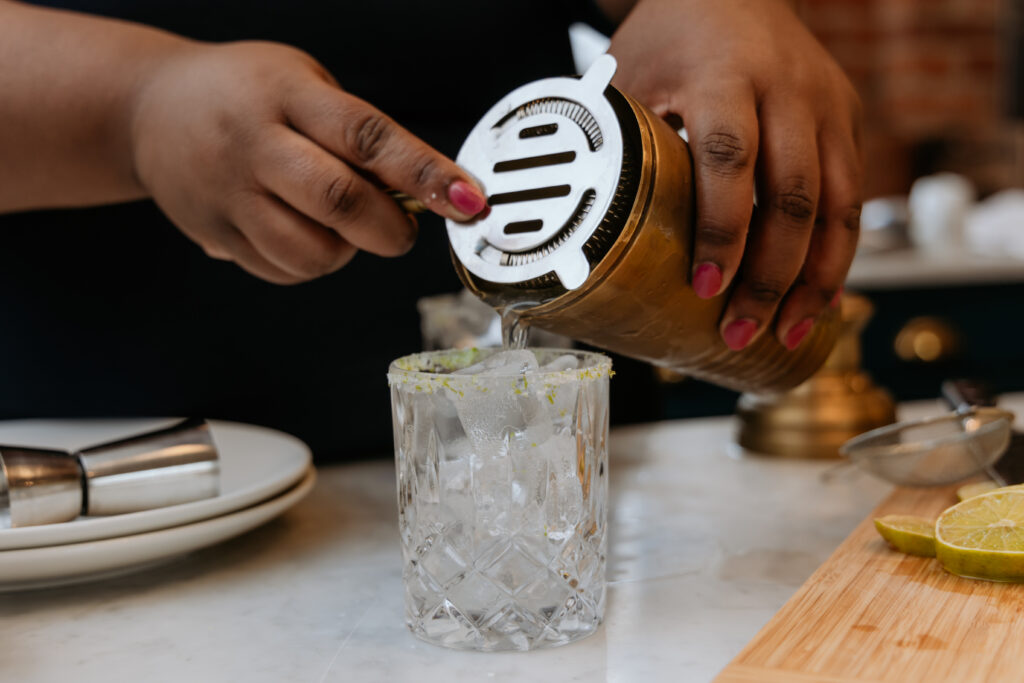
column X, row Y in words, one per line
column 588, row 12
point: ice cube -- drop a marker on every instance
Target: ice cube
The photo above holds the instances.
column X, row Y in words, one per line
column 503, row 409
column 455, row 480
column 445, row 416
column 564, row 362
column 564, row 495
column 503, row 364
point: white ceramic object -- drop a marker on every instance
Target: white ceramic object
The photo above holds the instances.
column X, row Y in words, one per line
column 80, row 562
column 938, row 211
column 994, row 225
column 256, row 464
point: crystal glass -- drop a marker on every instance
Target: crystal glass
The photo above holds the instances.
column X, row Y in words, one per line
column 502, row 490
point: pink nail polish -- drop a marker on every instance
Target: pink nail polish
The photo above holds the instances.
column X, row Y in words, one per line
column 466, row 198
column 739, row 332
column 837, row 297
column 797, row 333
column 707, row 280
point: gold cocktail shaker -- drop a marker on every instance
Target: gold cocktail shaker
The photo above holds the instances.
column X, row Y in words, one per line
column 590, row 234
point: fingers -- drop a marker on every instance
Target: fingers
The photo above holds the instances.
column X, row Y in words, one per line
column 833, row 243
column 724, row 141
column 330, row 193
column 369, row 140
column 290, row 241
column 224, row 242
column 788, row 179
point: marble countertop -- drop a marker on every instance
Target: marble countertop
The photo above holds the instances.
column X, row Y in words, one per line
column 706, row 543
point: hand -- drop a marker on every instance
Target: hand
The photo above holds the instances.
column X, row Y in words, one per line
column 761, row 101
column 254, row 152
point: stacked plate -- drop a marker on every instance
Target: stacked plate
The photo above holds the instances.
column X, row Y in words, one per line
column 263, row 473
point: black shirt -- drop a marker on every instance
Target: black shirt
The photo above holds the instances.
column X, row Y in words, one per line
column 112, row 312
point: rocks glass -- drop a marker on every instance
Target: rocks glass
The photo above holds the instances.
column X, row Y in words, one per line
column 502, row 463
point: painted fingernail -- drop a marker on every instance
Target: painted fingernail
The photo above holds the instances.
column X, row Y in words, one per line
column 797, row 333
column 739, row 332
column 466, row 198
column 837, row 297
column 707, row 280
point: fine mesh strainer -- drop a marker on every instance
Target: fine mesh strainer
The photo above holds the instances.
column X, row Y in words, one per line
column 935, row 450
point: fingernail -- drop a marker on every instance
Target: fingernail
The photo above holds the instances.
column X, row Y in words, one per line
column 797, row 333
column 739, row 332
column 707, row 280
column 837, row 297
column 466, row 198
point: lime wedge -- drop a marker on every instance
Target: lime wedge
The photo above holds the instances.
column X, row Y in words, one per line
column 908, row 534
column 983, row 537
column 976, row 489
column 979, row 487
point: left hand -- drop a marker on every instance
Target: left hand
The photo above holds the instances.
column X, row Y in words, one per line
column 762, row 101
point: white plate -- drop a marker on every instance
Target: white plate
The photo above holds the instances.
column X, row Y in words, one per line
column 255, row 464
column 80, row 562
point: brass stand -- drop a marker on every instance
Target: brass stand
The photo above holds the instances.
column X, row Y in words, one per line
column 837, row 403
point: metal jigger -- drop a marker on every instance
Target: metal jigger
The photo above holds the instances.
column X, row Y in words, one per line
column 38, row 487
column 837, row 403
column 169, row 466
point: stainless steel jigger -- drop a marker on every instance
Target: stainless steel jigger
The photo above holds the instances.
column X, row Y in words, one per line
column 169, row 466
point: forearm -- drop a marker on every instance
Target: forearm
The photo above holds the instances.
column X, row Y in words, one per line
column 68, row 83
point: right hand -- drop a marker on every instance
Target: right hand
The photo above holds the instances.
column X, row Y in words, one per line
column 258, row 156
column 764, row 104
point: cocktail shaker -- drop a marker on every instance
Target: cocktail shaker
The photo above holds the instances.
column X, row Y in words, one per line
column 590, row 234
column 177, row 464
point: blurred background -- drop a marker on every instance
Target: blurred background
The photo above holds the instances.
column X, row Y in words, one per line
column 942, row 82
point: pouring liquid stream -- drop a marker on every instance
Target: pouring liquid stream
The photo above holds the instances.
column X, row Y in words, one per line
column 515, row 332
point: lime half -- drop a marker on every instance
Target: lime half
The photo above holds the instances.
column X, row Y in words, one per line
column 983, row 537
column 908, row 534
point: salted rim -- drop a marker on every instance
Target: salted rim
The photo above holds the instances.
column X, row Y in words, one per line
column 411, row 369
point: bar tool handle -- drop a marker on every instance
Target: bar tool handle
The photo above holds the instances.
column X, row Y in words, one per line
column 963, row 395
column 407, row 203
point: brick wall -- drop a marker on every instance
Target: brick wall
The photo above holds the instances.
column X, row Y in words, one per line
column 932, row 77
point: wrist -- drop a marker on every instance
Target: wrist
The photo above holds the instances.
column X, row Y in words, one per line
column 150, row 77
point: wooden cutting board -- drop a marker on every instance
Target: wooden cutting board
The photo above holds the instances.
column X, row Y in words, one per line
column 873, row 614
